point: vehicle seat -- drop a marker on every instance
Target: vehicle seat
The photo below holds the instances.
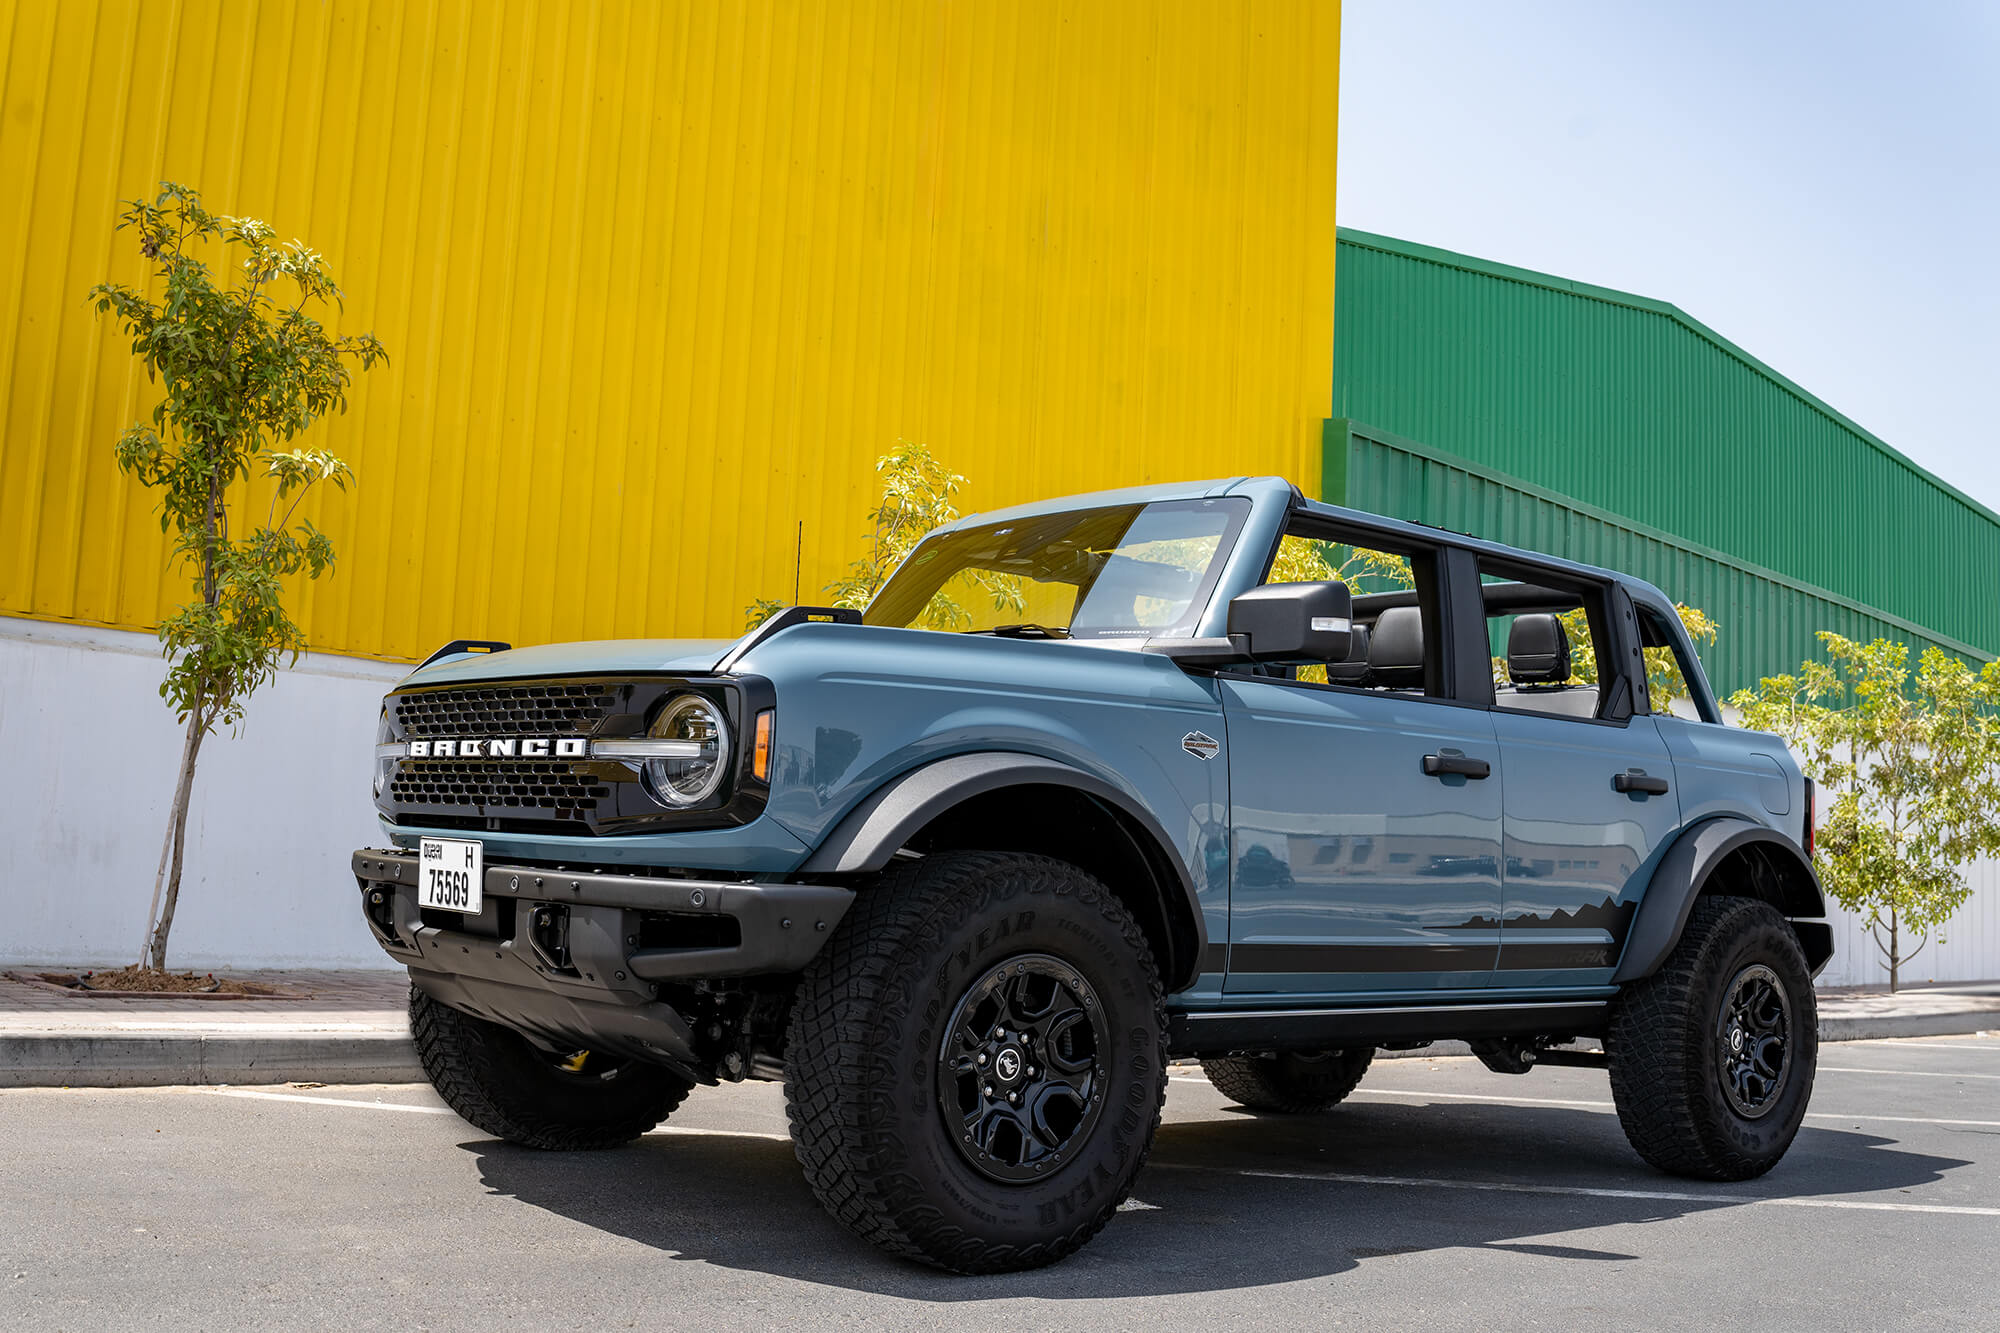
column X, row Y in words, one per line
column 1538, row 665
column 1396, row 650
column 1352, row 669
column 1538, row 651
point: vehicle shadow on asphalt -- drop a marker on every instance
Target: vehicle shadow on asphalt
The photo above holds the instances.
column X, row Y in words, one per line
column 1199, row 1223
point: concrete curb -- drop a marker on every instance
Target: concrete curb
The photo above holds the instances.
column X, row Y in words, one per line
column 159, row 1059
column 1876, row 1027
column 144, row 1059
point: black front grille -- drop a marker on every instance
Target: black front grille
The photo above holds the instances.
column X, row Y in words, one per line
column 555, row 789
column 559, row 790
column 541, row 709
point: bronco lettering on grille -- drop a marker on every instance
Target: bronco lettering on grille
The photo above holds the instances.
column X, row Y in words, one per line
column 502, row 747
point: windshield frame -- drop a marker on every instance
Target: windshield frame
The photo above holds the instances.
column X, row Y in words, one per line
column 1236, row 511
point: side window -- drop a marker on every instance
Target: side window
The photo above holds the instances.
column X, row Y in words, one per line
column 1543, row 635
column 1666, row 673
column 1395, row 603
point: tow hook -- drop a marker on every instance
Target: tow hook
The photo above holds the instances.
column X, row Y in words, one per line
column 548, row 935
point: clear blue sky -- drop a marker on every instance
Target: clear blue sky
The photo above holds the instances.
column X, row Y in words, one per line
column 1818, row 183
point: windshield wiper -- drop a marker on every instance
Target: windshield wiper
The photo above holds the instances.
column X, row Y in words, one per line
column 1026, row 630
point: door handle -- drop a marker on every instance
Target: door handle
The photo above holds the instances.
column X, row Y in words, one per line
column 1635, row 779
column 1450, row 763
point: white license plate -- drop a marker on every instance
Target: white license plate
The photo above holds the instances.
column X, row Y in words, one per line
column 450, row 874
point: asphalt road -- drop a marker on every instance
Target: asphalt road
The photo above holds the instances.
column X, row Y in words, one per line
column 1441, row 1197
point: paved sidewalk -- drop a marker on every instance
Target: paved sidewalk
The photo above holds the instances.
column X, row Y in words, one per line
column 348, row 1027
column 351, row 1028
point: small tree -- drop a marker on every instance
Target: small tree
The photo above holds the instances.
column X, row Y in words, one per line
column 919, row 493
column 240, row 374
column 1912, row 766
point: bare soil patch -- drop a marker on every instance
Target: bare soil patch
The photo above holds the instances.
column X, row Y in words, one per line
column 152, row 983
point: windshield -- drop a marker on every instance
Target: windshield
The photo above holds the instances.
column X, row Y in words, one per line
column 1126, row 571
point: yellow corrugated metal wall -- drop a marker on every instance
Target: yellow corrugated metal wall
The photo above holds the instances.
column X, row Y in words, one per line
column 660, row 280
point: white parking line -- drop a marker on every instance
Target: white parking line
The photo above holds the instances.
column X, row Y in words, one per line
column 446, row 1110
column 1328, row 1177
column 1509, row 1187
column 721, row 1133
column 1901, row 1073
column 1611, row 1106
column 1924, row 1045
column 325, row 1101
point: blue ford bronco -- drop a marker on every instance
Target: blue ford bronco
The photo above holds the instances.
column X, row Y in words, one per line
column 1082, row 791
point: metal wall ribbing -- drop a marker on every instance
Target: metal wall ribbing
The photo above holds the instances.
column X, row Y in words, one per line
column 1766, row 619
column 1632, row 408
column 661, row 279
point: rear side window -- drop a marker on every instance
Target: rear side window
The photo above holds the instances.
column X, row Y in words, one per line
column 1667, row 672
column 1544, row 634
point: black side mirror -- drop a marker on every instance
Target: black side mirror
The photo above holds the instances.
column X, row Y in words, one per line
column 1294, row 622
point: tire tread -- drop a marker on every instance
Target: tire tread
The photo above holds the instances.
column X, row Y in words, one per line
column 469, row 1065
column 909, row 911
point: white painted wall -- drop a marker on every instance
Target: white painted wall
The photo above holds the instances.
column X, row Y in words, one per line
column 88, row 753
column 87, row 756
column 1969, row 949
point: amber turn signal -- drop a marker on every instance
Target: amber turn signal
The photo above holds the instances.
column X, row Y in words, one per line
column 760, row 753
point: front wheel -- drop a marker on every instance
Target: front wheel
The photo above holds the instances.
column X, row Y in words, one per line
column 1712, row 1057
column 499, row 1081
column 977, row 1061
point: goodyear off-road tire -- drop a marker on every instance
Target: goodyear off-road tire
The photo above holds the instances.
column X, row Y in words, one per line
column 954, row 985
column 1289, row 1082
column 499, row 1082
column 1712, row 1057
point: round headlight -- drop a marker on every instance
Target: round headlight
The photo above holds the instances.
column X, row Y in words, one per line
column 681, row 782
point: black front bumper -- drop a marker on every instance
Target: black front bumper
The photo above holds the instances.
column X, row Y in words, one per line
column 570, row 957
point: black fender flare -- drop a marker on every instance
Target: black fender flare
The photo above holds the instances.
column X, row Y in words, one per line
column 1685, row 871
column 869, row 835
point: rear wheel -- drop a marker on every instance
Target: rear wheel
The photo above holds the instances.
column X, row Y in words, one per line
column 977, row 1060
column 1712, row 1057
column 1289, row 1082
column 502, row 1083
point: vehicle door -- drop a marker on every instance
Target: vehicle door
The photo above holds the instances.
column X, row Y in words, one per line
column 1589, row 805
column 1365, row 812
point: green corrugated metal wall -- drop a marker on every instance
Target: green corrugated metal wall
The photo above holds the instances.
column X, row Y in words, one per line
column 1631, row 408
column 1767, row 620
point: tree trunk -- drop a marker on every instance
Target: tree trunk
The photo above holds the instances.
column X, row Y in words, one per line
column 1895, row 950
column 159, row 926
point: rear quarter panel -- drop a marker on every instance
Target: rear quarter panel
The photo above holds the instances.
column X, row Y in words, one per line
column 1724, row 770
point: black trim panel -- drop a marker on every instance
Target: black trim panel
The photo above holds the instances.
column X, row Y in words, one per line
column 1564, row 956
column 1265, row 959
column 1670, row 896
column 1207, row 1033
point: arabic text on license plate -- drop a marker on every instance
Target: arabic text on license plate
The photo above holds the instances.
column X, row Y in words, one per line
column 450, row 874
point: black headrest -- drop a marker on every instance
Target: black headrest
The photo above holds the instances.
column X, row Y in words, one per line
column 1354, row 669
column 1537, row 650
column 1396, row 651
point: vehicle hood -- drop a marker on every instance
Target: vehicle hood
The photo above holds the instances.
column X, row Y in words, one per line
column 603, row 657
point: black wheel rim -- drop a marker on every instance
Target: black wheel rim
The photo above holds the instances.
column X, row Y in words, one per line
column 1754, row 1041
column 1021, row 1068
